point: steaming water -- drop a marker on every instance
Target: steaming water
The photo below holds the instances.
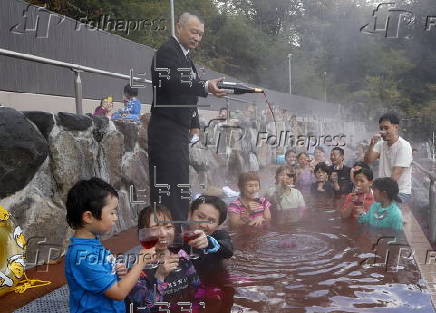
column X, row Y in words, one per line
column 321, row 264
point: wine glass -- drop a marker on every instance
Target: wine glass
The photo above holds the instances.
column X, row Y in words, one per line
column 149, row 237
column 358, row 201
column 258, row 201
column 189, row 235
column 176, row 246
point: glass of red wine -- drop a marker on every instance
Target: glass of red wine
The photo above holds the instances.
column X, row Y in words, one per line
column 358, row 201
column 175, row 247
column 149, row 237
column 258, row 201
column 357, row 196
column 188, row 235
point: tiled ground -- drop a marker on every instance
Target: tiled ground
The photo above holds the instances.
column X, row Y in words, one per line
column 422, row 251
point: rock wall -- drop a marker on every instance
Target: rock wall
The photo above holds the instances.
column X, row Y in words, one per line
column 42, row 155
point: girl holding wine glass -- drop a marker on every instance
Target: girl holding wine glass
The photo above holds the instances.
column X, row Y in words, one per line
column 360, row 200
column 249, row 209
column 207, row 214
column 173, row 278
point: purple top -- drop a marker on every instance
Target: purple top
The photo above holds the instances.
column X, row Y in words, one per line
column 305, row 180
column 100, row 110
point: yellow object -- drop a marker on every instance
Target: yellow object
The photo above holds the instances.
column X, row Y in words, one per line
column 27, row 283
column 12, row 264
column 109, row 99
column 19, row 237
column 4, row 214
column 16, row 265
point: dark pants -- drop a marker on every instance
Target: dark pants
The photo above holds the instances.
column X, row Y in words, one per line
column 168, row 151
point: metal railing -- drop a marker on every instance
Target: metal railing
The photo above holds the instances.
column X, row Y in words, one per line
column 77, row 69
column 432, row 199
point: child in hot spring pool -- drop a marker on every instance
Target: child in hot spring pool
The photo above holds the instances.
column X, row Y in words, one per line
column 249, row 209
column 305, row 177
column 208, row 214
column 288, row 202
column 384, row 212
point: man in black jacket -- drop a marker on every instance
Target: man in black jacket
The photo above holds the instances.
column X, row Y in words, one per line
column 174, row 115
column 340, row 176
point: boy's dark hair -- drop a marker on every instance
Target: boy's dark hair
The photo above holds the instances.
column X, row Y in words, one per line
column 322, row 166
column 222, row 109
column 390, row 117
column 145, row 214
column 362, row 165
column 365, row 171
column 87, row 195
column 388, row 185
column 129, row 91
column 341, row 151
column 216, row 202
column 290, row 151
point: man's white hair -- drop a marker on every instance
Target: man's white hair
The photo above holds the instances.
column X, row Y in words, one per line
column 186, row 16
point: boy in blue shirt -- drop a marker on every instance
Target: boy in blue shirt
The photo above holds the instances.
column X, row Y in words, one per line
column 89, row 267
column 132, row 106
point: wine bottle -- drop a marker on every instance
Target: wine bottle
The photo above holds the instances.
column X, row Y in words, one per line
column 237, row 88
